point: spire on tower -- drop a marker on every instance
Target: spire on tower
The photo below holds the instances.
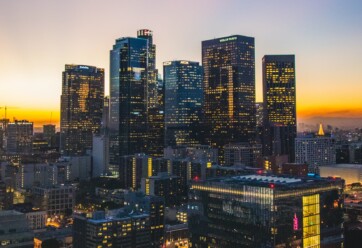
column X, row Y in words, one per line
column 320, row 131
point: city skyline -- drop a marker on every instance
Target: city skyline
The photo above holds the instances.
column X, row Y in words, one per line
column 36, row 43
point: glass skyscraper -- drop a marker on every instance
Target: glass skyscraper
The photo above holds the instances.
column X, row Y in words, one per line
column 229, row 90
column 183, row 102
column 128, row 98
column 155, row 108
column 279, row 105
column 81, row 108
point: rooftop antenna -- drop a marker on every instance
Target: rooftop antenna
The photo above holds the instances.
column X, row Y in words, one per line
column 51, row 114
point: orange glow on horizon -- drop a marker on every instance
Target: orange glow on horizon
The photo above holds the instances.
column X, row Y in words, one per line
column 40, row 117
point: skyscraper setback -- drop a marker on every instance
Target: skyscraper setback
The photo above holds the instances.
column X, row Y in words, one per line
column 183, row 102
column 81, row 108
column 279, row 105
column 229, row 85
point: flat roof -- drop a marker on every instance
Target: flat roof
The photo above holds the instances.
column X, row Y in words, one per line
column 268, row 179
column 343, row 166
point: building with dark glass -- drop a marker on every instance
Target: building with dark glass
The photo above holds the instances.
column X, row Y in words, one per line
column 128, row 98
column 266, row 211
column 279, row 105
column 229, row 90
column 81, row 108
column 183, row 102
column 155, row 105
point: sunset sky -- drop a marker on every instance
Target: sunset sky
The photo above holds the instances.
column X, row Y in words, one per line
column 38, row 37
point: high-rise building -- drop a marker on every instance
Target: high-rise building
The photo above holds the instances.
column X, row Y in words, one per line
column 315, row 150
column 229, row 90
column 81, row 108
column 183, row 102
column 155, row 107
column 128, row 99
column 152, row 101
column 266, row 211
column 280, row 125
column 19, row 137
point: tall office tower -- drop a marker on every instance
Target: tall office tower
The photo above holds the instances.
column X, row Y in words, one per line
column 183, row 102
column 315, row 150
column 266, row 211
column 81, row 108
column 279, row 105
column 19, row 137
column 128, row 100
column 155, row 108
column 229, row 90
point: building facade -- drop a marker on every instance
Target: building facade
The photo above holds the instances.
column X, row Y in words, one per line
column 183, row 102
column 229, row 90
column 81, row 108
column 128, row 98
column 19, row 138
column 266, row 211
column 242, row 154
column 315, row 151
column 280, row 125
column 122, row 230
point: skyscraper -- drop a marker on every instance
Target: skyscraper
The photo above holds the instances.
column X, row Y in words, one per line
column 81, row 108
column 229, row 85
column 128, row 99
column 183, row 102
column 279, row 105
column 151, row 70
column 155, row 107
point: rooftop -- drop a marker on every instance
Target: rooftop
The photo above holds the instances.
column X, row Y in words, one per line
column 344, row 166
column 268, row 179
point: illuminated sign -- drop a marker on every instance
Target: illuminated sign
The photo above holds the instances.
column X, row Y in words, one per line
column 295, row 222
column 228, row 39
column 166, row 63
column 184, row 62
column 83, row 67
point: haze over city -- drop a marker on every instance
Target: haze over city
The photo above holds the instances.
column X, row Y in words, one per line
column 39, row 37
